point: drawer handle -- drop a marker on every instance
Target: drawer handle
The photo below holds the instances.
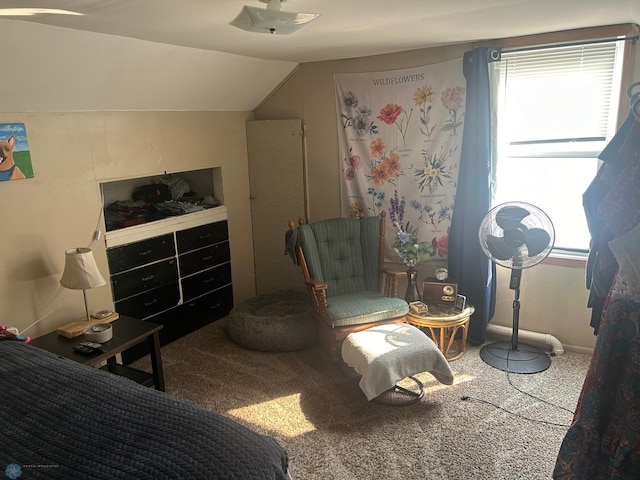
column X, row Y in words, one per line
column 209, row 257
column 208, row 280
column 142, row 254
column 206, row 235
column 146, row 279
column 148, row 304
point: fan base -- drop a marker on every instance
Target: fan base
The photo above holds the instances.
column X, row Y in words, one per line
column 526, row 359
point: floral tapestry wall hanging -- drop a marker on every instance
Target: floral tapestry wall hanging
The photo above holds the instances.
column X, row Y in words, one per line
column 15, row 157
column 399, row 137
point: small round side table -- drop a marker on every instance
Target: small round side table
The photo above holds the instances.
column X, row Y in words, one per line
column 443, row 324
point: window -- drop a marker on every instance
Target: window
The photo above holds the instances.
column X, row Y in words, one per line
column 557, row 109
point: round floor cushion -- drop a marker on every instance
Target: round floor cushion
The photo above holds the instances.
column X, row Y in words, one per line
column 274, row 322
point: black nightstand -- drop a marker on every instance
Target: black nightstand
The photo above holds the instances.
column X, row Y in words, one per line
column 127, row 332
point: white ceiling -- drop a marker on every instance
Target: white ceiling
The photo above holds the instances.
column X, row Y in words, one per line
column 115, row 55
column 347, row 28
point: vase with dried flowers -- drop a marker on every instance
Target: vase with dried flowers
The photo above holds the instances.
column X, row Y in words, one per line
column 407, row 246
column 411, row 251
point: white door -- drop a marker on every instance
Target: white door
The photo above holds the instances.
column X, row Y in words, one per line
column 276, row 176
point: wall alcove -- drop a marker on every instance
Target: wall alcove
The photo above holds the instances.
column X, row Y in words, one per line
column 175, row 268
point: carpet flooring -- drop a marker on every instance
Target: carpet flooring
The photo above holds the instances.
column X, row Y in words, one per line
column 510, row 426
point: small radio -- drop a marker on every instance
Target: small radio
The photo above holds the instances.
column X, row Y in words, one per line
column 434, row 290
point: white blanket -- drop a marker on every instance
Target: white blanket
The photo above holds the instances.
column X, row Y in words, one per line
column 386, row 354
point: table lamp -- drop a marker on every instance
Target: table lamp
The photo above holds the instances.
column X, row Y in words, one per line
column 81, row 272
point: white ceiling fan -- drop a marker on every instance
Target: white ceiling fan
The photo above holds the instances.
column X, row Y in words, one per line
column 272, row 20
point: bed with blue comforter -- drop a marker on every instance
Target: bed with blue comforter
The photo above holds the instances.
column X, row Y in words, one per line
column 64, row 420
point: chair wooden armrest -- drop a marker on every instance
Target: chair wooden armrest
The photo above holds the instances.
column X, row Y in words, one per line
column 394, row 273
column 315, row 284
column 391, row 281
column 318, row 292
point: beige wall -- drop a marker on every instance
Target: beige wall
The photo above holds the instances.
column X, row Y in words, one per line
column 59, row 208
column 73, row 152
column 553, row 298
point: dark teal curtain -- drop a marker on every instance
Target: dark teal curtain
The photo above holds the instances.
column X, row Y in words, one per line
column 468, row 265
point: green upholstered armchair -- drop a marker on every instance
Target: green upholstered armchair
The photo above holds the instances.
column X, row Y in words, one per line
column 342, row 260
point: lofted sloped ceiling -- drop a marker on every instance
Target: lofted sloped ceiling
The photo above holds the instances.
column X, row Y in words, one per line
column 184, row 55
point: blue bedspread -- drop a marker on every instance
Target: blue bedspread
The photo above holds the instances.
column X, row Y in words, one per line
column 65, row 420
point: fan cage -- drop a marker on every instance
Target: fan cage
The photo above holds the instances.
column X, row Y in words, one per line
column 536, row 219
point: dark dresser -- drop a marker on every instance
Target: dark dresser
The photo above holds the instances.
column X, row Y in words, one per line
column 177, row 274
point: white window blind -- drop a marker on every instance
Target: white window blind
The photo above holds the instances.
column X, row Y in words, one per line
column 561, row 94
column 556, row 110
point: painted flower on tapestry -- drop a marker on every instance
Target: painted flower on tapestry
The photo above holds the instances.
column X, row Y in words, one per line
column 396, row 208
column 378, row 199
column 362, row 123
column 356, row 210
column 385, row 165
column 350, row 100
column 431, row 215
column 377, row 148
column 390, row 114
column 349, row 174
column 423, row 96
column 452, row 99
column 442, row 245
column 436, row 171
column 391, row 165
column 353, row 165
column 356, row 116
column 379, row 175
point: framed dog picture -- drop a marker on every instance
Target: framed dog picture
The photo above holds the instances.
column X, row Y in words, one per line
column 15, row 157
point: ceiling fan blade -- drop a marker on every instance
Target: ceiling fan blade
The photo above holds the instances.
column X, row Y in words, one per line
column 500, row 249
column 536, row 240
column 511, row 217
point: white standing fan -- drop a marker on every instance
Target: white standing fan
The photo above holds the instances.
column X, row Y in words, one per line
column 516, row 235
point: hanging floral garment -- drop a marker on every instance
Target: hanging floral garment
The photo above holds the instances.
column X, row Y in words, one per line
column 604, row 440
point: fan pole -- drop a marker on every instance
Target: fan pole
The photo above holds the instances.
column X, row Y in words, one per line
column 511, row 356
column 516, row 320
column 514, row 284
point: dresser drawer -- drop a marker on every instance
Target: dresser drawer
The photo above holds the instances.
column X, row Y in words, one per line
column 186, row 318
column 206, row 281
column 144, row 278
column 208, row 308
column 202, row 236
column 195, row 314
column 150, row 302
column 133, row 255
column 204, row 258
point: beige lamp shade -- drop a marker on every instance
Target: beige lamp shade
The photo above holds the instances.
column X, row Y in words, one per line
column 80, row 270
